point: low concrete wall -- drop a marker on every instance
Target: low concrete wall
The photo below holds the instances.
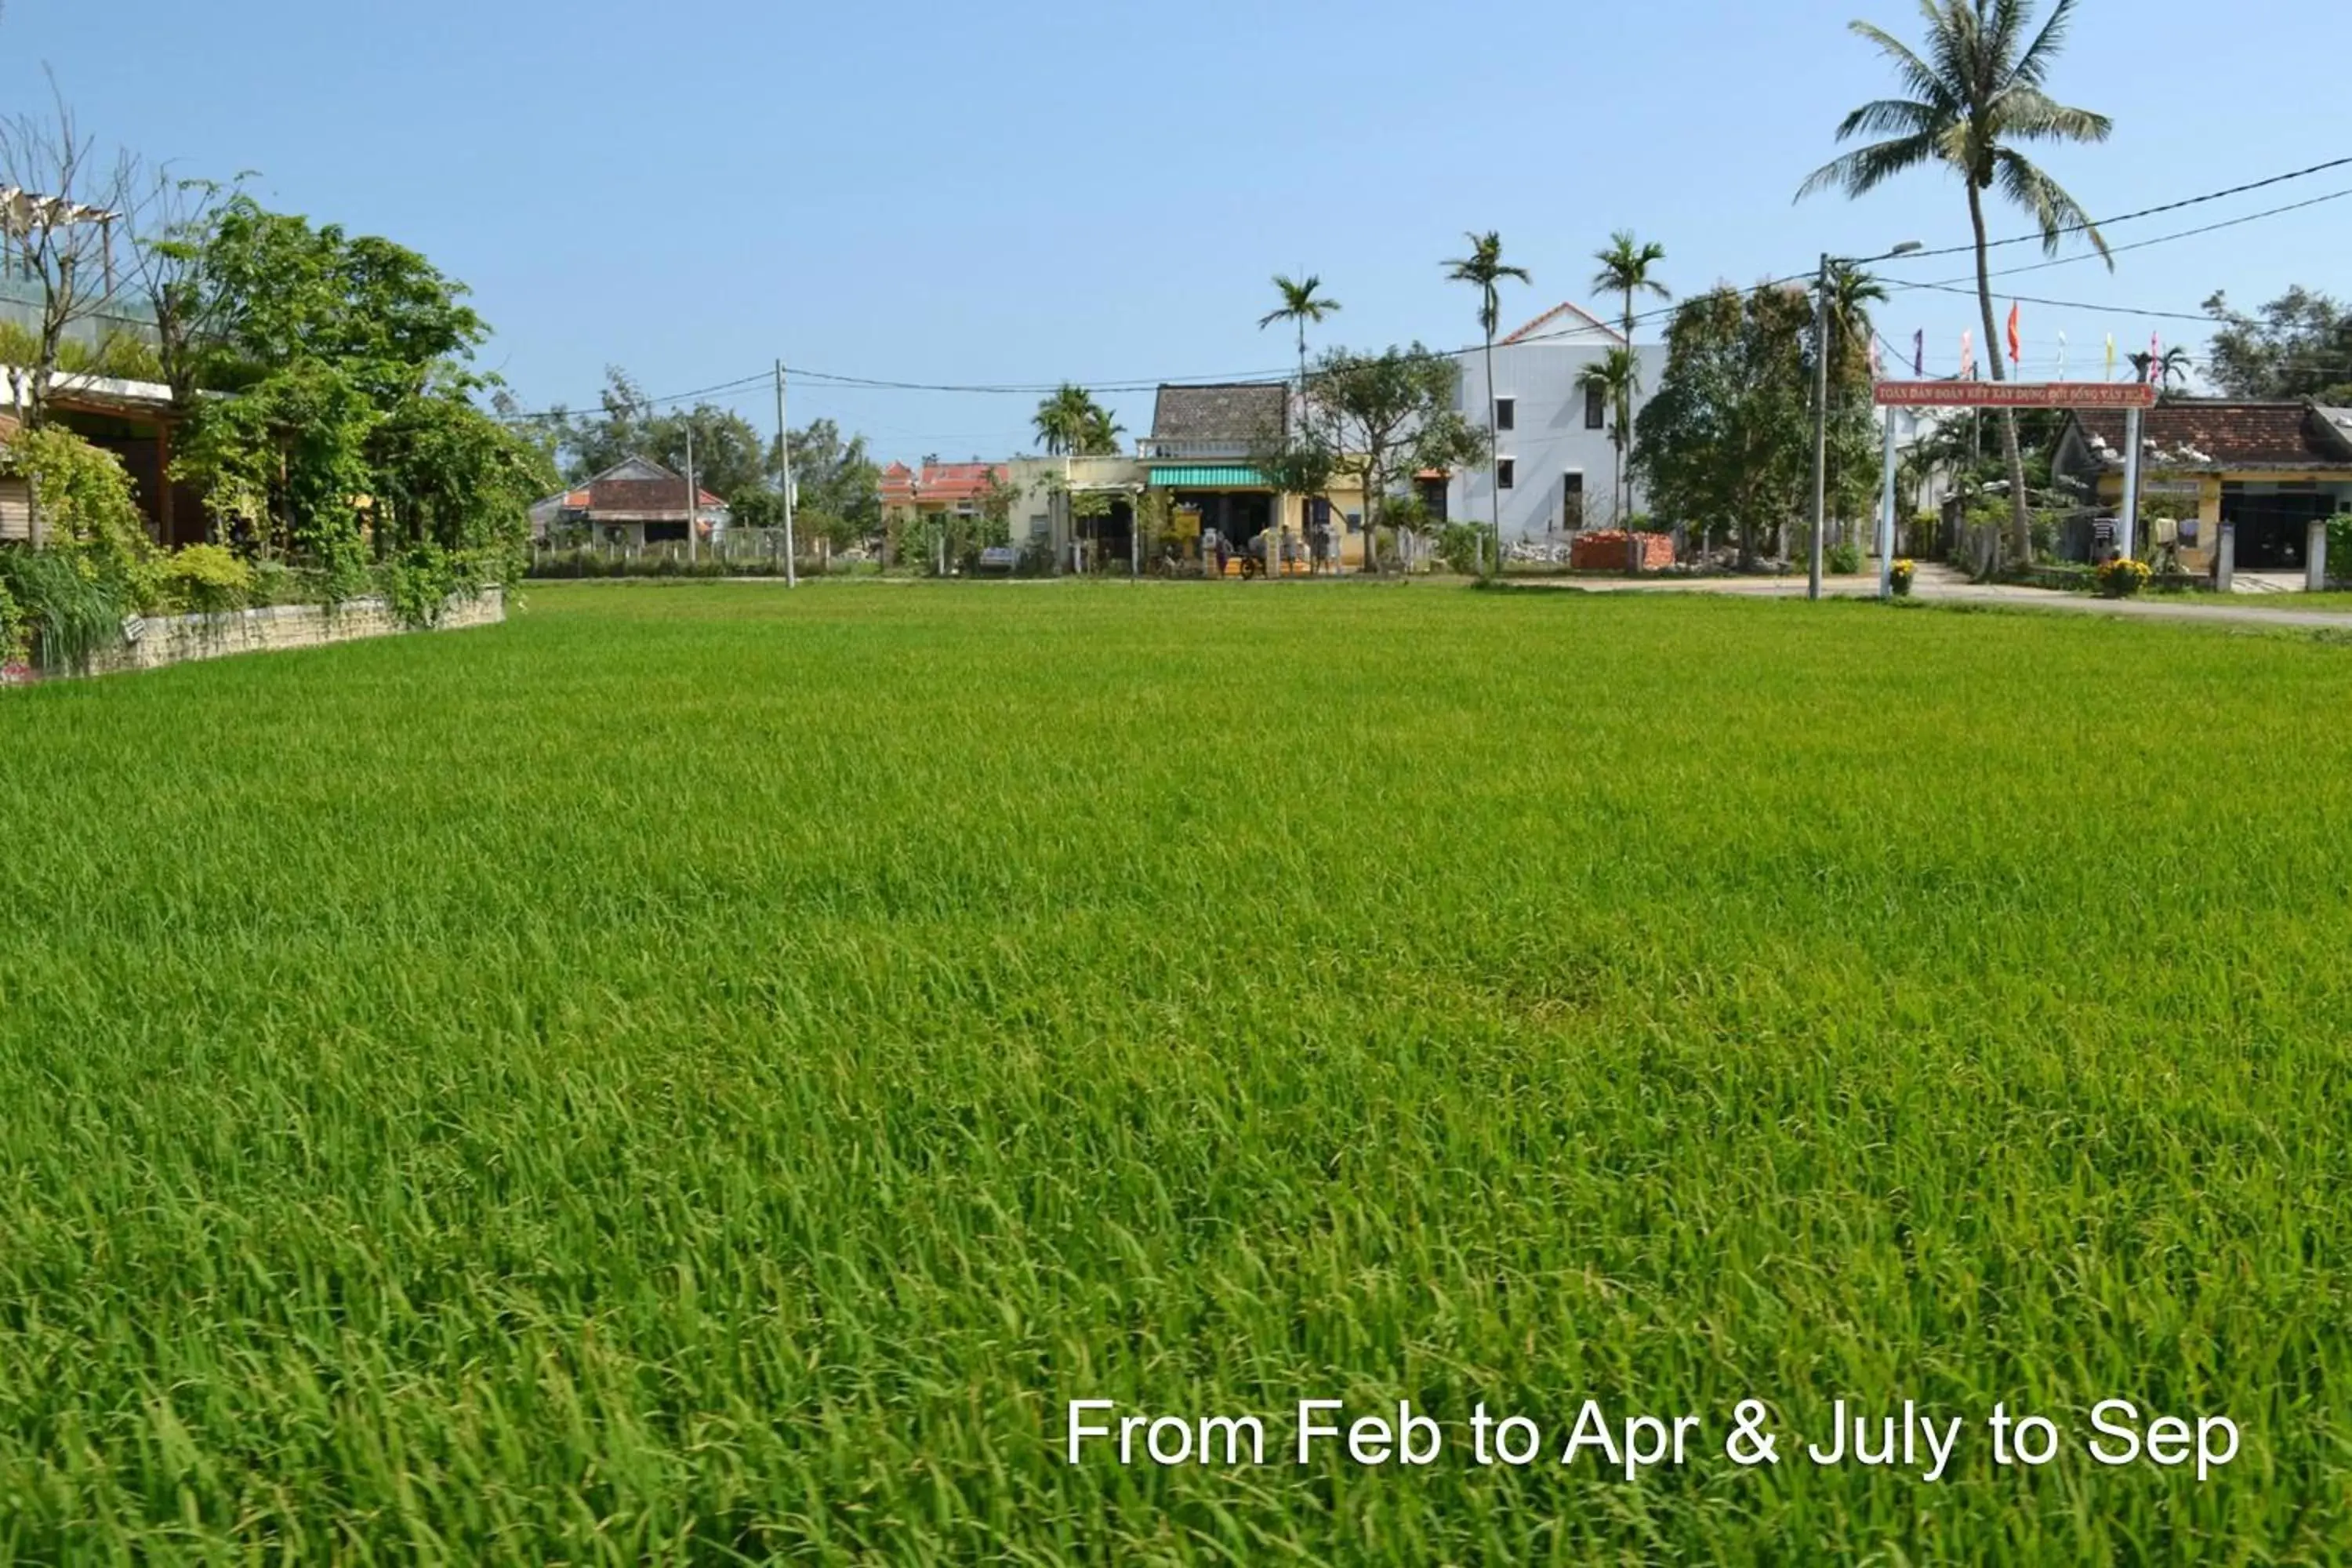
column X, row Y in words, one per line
column 175, row 640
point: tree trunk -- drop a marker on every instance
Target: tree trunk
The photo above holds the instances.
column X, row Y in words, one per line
column 1494, row 458
column 2020, row 526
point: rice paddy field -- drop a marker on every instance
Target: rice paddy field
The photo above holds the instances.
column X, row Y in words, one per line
column 707, row 1074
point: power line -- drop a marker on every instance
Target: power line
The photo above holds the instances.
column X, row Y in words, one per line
column 2068, row 304
column 1141, row 385
column 2042, row 239
column 2159, row 239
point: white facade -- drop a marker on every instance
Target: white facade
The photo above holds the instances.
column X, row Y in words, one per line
column 1553, row 442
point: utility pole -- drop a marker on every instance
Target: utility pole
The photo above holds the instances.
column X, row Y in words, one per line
column 1820, row 425
column 784, row 458
column 693, row 512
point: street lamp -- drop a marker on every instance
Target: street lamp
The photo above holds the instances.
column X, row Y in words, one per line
column 1821, row 399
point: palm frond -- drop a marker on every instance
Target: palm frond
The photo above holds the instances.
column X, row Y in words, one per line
column 2054, row 213
column 2033, row 66
column 1925, row 83
column 2030, row 114
column 1865, row 168
column 1891, row 116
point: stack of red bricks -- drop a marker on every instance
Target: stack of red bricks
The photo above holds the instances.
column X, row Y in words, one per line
column 1607, row 551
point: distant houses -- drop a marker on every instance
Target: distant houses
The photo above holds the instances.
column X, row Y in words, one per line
column 632, row 504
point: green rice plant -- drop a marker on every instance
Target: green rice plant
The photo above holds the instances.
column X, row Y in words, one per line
column 708, row 1075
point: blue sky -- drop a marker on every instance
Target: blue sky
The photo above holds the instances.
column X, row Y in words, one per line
column 1033, row 190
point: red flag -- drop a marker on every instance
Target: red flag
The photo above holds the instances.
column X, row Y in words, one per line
column 2016, row 348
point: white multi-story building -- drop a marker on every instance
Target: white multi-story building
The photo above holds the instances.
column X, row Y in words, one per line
column 1556, row 464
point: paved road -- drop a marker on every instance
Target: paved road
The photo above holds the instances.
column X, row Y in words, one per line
column 1943, row 586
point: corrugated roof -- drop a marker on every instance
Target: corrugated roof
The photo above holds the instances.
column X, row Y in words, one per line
column 1237, row 411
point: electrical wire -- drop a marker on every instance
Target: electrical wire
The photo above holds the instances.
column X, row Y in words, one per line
column 838, row 382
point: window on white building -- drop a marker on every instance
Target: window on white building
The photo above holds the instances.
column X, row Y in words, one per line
column 1571, row 504
column 1596, row 409
column 1506, row 472
column 1507, row 414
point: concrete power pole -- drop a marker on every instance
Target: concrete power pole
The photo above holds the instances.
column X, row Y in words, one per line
column 693, row 512
column 784, row 458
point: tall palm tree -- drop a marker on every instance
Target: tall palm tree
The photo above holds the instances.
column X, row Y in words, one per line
column 1483, row 269
column 1625, row 268
column 1616, row 375
column 1980, row 87
column 1301, row 304
column 1070, row 423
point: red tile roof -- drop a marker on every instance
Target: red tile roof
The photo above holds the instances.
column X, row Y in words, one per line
column 1573, row 319
column 2205, row 433
column 946, row 483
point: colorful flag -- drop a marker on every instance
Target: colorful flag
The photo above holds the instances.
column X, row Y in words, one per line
column 2062, row 356
column 2155, row 357
column 2016, row 344
column 2111, row 356
column 1967, row 356
column 1876, row 372
column 1919, row 352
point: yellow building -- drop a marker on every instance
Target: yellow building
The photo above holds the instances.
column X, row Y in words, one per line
column 2278, row 471
column 1199, row 456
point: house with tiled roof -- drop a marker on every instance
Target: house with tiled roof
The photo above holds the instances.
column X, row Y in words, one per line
column 2276, row 472
column 940, row 487
column 634, row 503
column 1202, row 456
column 1555, row 464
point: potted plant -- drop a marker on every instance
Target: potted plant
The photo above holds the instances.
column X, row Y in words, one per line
column 1900, row 577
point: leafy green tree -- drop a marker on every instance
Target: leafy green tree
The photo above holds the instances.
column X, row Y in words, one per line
column 380, row 312
column 1728, row 436
column 838, row 486
column 732, row 459
column 1483, row 269
column 169, row 256
column 2299, row 345
column 1302, row 304
column 1981, row 87
column 354, row 418
column 1383, row 418
column 1627, row 268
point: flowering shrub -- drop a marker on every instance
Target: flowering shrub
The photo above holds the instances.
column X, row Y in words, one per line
column 2121, row 577
column 1900, row 575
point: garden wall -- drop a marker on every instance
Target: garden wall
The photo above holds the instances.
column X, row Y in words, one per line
column 175, row 640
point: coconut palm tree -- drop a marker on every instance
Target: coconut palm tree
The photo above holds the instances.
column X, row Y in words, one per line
column 1301, row 304
column 1071, row 423
column 1616, row 376
column 1980, row 87
column 1483, row 269
column 1625, row 268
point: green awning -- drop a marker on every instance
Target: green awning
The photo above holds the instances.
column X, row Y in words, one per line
column 1211, row 476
